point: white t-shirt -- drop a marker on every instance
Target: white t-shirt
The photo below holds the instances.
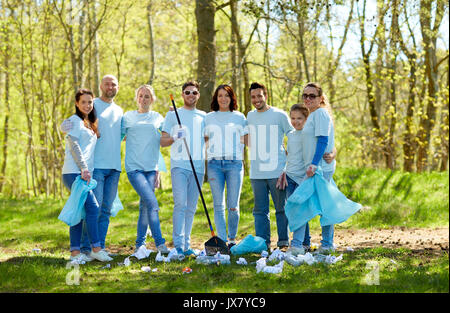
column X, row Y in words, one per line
column 224, row 130
column 319, row 123
column 142, row 144
column 295, row 166
column 266, row 134
column 194, row 121
column 107, row 151
column 87, row 140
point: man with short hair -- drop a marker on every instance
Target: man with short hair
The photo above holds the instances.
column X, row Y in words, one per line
column 107, row 158
column 267, row 128
column 184, row 187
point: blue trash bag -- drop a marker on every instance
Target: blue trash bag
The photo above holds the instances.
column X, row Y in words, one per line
column 316, row 196
column 73, row 211
column 161, row 163
column 116, row 206
column 250, row 244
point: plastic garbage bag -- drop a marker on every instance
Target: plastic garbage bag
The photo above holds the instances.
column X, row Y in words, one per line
column 331, row 259
column 173, row 255
column 218, row 259
column 146, row 269
column 142, row 253
column 73, row 211
column 316, row 196
column 276, row 269
column 241, row 261
column 116, row 206
column 277, row 254
column 250, row 244
column 260, row 264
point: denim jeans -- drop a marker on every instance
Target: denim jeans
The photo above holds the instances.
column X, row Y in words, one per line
column 105, row 193
column 91, row 209
column 292, row 185
column 230, row 172
column 327, row 231
column 261, row 189
column 144, row 184
column 185, row 197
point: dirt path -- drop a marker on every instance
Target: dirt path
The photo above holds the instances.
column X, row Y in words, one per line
column 416, row 239
column 433, row 239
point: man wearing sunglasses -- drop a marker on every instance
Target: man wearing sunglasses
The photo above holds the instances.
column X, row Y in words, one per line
column 184, row 188
column 267, row 128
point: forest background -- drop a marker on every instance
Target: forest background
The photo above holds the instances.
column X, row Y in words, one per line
column 383, row 64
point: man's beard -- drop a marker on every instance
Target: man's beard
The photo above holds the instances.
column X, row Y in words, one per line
column 111, row 94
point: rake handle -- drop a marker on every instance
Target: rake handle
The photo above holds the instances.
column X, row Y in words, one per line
column 192, row 166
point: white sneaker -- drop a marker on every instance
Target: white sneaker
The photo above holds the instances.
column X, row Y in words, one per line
column 325, row 250
column 102, row 256
column 81, row 258
column 295, row 251
column 87, row 257
column 163, row 249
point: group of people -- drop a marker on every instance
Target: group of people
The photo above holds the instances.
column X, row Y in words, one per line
column 215, row 142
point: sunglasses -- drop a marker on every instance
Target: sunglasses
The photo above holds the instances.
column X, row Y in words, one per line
column 309, row 96
column 188, row 92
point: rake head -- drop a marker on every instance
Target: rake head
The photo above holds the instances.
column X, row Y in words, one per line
column 214, row 245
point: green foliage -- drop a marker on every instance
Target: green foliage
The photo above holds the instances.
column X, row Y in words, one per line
column 42, row 46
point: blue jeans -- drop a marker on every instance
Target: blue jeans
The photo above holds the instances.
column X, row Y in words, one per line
column 327, row 231
column 91, row 209
column 144, row 184
column 105, row 193
column 292, row 185
column 230, row 172
column 261, row 189
column 185, row 197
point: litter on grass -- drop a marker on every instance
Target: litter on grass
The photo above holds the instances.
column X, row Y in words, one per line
column 126, row 262
column 142, row 253
column 215, row 259
column 172, row 256
column 276, row 269
column 36, row 250
column 187, row 270
column 146, row 269
column 241, row 261
column 310, row 259
column 277, row 254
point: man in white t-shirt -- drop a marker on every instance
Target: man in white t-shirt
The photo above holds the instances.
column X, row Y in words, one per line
column 184, row 187
column 267, row 128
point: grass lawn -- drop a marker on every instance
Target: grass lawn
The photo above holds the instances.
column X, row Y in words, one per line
column 394, row 198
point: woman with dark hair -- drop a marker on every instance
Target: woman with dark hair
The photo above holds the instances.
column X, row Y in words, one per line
column 225, row 134
column 79, row 160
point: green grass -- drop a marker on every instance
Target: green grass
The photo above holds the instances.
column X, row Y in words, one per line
column 411, row 200
column 396, row 198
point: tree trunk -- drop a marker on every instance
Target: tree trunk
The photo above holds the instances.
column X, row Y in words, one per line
column 206, row 69
column 429, row 35
column 301, row 33
column 95, row 50
column 151, row 42
column 392, row 112
column 444, row 128
column 6, row 49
